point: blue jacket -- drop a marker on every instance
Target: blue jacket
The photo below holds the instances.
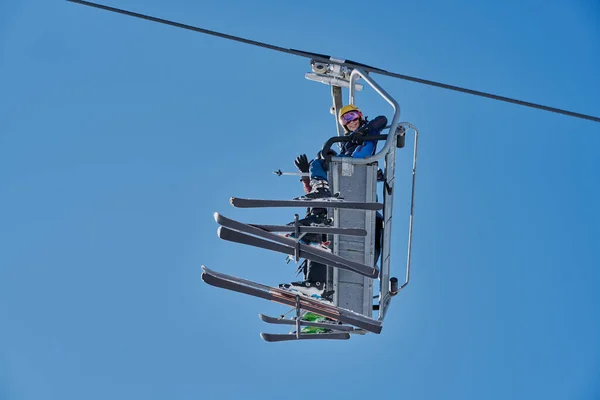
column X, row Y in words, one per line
column 365, row 149
column 317, row 168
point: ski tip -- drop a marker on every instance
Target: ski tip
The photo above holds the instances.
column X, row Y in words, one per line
column 203, row 276
column 206, row 272
column 219, row 218
column 266, row 318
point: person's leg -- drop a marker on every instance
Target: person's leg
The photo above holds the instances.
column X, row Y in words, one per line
column 317, row 170
column 314, row 217
column 315, row 272
column 318, row 182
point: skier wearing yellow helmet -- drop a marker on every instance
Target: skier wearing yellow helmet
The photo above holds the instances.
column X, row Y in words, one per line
column 355, row 126
column 316, row 186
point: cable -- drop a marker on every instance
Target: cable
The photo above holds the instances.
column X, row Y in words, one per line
column 326, row 59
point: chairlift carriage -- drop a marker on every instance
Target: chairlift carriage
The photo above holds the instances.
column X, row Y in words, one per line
column 361, row 292
column 351, row 271
column 351, row 263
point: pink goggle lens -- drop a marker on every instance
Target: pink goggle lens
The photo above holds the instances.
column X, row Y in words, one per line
column 350, row 116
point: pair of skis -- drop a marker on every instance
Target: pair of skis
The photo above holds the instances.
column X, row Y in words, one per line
column 256, row 236
column 288, row 298
column 264, row 236
column 337, row 331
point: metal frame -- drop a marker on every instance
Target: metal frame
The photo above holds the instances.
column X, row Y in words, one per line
column 388, row 152
column 346, row 294
column 386, row 293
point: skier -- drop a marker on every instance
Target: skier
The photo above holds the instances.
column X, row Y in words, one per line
column 316, row 186
column 358, row 129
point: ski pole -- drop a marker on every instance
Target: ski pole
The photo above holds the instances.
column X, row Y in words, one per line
column 279, row 173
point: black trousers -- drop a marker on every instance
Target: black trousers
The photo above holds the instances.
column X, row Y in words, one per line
column 315, row 272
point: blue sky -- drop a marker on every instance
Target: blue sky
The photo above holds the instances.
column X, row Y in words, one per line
column 119, row 138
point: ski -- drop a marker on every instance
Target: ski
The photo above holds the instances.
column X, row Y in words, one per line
column 314, row 255
column 316, row 245
column 285, row 337
column 243, row 238
column 289, row 246
column 281, row 296
column 309, row 252
column 312, row 229
column 328, row 202
column 282, row 321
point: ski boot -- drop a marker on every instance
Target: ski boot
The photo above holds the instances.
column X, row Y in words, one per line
column 315, row 290
column 311, row 330
column 314, row 217
column 319, row 190
column 312, row 317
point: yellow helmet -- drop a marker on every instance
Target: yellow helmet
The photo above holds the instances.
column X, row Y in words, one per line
column 347, row 109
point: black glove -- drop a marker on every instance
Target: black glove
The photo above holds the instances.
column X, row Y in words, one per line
column 357, row 137
column 331, row 153
column 302, row 164
column 363, row 130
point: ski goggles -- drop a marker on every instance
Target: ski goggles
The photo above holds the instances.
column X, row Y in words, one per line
column 349, row 117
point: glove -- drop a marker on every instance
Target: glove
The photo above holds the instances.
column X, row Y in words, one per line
column 363, row 130
column 329, row 153
column 302, row 164
column 357, row 137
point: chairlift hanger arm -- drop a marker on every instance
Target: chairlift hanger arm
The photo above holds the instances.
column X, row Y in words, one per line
column 351, row 64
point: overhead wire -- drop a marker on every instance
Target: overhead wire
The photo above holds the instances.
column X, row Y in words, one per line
column 348, row 63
